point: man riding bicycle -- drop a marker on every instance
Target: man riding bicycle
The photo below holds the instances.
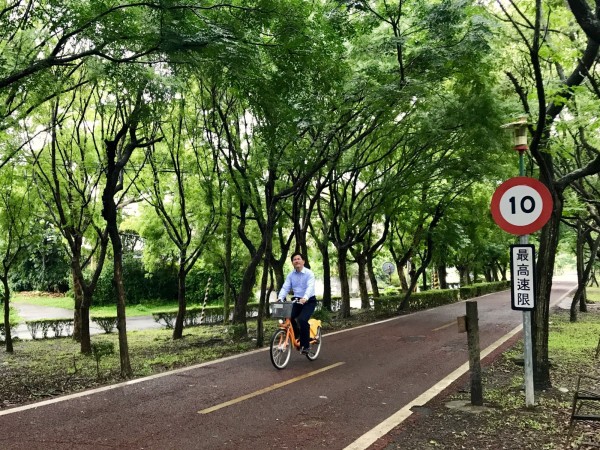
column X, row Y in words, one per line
column 301, row 281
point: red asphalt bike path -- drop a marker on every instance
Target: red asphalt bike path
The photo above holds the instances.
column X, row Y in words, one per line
column 362, row 377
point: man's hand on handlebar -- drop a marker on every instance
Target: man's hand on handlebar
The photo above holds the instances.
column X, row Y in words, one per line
column 300, row 300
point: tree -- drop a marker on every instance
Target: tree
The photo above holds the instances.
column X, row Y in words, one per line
column 268, row 122
column 127, row 129
column 16, row 213
column 68, row 174
column 548, row 89
column 183, row 190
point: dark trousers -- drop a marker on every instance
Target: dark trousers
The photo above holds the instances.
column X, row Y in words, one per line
column 300, row 315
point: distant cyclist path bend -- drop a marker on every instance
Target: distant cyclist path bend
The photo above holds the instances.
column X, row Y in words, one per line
column 363, row 376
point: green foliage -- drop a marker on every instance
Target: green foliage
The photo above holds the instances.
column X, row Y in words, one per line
column 139, row 285
column 323, row 315
column 45, row 267
column 476, row 290
column 209, row 315
column 100, row 349
column 107, row 323
column 236, row 331
column 14, row 322
column 435, row 297
column 59, row 327
column 418, row 300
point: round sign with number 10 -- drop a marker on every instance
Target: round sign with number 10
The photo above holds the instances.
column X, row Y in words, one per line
column 521, row 205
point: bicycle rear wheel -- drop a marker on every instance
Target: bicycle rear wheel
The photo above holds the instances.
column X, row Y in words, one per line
column 315, row 346
column 281, row 349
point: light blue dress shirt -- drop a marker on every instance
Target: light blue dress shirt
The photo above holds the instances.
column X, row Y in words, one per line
column 301, row 283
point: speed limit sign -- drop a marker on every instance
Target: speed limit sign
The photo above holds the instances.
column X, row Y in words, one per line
column 521, row 205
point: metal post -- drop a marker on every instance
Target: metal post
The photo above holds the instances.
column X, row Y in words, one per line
column 528, row 350
column 474, row 353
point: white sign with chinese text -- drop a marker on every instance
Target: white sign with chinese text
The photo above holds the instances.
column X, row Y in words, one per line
column 522, row 270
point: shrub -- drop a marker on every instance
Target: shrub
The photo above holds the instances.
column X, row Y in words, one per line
column 433, row 298
column 101, row 349
column 59, row 327
column 476, row 290
column 140, row 285
column 323, row 315
column 45, row 267
column 107, row 323
column 212, row 315
column 13, row 328
column 438, row 297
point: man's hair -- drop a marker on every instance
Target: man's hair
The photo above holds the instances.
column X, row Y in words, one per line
column 297, row 254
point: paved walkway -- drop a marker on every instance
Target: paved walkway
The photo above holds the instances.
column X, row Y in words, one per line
column 36, row 312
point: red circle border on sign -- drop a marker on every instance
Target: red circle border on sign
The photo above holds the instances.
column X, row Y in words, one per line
column 547, row 205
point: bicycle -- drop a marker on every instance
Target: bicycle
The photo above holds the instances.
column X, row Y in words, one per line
column 284, row 339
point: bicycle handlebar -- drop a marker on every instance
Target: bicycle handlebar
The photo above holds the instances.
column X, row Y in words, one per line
column 294, row 300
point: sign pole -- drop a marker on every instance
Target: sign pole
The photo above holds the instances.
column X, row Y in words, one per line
column 521, row 206
column 528, row 341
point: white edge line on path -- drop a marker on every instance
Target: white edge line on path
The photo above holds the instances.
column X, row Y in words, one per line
column 125, row 383
column 401, row 415
column 371, row 436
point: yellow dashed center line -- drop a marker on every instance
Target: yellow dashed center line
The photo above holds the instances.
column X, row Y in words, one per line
column 267, row 389
column 444, row 326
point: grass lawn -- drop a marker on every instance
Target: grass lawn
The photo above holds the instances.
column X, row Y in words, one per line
column 56, row 301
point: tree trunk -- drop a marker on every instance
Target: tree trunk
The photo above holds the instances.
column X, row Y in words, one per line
column 583, row 275
column 362, row 283
column 345, row 288
column 126, row 371
column 86, row 340
column 372, row 278
column 181, row 300
column 442, row 276
column 323, row 247
column 279, row 275
column 78, row 298
column 109, row 212
column 402, row 276
column 414, row 279
column 227, row 265
column 540, row 317
column 263, row 303
column 6, row 301
column 248, row 281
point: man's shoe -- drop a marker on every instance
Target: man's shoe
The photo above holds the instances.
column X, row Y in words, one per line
column 304, row 351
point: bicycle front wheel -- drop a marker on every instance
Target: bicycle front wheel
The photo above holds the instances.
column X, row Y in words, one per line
column 315, row 346
column 281, row 349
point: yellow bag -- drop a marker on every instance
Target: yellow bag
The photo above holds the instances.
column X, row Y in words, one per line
column 314, row 326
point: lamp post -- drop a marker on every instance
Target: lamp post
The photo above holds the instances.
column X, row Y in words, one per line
column 519, row 129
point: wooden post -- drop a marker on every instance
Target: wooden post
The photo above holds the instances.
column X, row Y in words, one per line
column 474, row 359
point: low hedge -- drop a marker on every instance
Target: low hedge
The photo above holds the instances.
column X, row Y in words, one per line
column 479, row 289
column 107, row 323
column 417, row 301
column 59, row 327
column 13, row 329
column 212, row 315
column 438, row 297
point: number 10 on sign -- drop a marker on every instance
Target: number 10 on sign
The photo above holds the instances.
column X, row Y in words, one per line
column 521, row 205
column 522, row 280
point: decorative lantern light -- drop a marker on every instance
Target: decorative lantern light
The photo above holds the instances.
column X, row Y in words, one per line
column 520, row 133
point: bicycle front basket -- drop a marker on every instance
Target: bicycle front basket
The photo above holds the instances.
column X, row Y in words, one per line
column 281, row 310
